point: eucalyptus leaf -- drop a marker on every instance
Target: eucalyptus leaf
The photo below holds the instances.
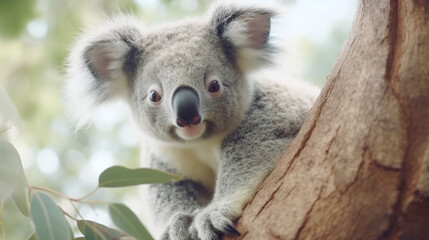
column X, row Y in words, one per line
column 21, row 198
column 21, row 193
column 48, row 219
column 9, row 169
column 33, row 237
column 118, row 176
column 10, row 122
column 95, row 231
column 125, row 219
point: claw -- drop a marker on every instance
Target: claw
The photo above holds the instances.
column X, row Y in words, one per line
column 232, row 230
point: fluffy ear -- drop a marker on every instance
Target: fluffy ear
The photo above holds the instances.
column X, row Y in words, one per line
column 244, row 33
column 102, row 65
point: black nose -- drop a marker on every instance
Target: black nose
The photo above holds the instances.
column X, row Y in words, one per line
column 186, row 106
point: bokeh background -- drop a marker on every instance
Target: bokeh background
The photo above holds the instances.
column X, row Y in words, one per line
column 35, row 36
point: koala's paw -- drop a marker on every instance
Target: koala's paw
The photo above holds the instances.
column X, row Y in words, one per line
column 178, row 227
column 211, row 223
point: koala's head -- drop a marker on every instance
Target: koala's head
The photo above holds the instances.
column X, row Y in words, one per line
column 184, row 81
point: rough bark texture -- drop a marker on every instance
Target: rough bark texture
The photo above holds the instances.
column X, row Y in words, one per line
column 359, row 168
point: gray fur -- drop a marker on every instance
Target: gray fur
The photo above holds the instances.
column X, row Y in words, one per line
column 245, row 128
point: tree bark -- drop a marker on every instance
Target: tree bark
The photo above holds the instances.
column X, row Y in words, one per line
column 359, row 168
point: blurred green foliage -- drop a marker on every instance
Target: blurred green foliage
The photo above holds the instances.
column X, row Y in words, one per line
column 16, row 12
column 321, row 56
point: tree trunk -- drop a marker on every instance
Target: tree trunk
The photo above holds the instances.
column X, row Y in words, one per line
column 359, row 168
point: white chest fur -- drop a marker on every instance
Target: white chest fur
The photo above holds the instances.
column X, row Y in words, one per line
column 198, row 161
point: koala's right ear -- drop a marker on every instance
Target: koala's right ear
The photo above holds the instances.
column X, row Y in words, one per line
column 102, row 65
column 244, row 32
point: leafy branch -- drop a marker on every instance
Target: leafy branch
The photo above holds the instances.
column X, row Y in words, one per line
column 50, row 219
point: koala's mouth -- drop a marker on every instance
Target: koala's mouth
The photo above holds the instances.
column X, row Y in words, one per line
column 192, row 131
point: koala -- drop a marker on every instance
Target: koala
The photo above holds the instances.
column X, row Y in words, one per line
column 202, row 115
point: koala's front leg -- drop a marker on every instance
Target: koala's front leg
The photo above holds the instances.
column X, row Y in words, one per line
column 245, row 163
column 172, row 204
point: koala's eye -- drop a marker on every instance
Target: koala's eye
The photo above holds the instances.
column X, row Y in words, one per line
column 154, row 96
column 214, row 86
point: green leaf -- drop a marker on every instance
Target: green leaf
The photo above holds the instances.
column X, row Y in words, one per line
column 9, row 169
column 21, row 195
column 10, row 121
column 33, row 237
column 124, row 218
column 12, row 178
column 118, row 176
column 95, row 231
column 80, row 238
column 48, row 219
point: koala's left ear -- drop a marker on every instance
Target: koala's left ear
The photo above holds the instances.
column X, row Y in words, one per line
column 102, row 65
column 244, row 34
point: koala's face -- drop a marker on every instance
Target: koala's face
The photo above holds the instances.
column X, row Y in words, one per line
column 186, row 88
column 183, row 82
